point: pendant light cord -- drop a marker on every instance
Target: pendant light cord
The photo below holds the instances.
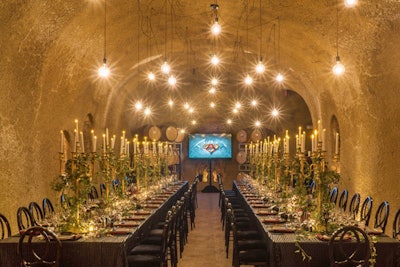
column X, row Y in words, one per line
column 337, row 28
column 260, row 33
column 105, row 32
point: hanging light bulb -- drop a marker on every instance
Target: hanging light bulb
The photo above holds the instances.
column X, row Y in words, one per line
column 147, row 111
column 238, row 105
column 186, row 105
column 260, row 67
column 279, row 78
column 104, row 71
column 212, row 105
column 165, row 68
column 257, row 123
column 212, row 90
column 151, row 76
column 248, row 80
column 215, row 60
column 338, row 69
column 216, row 27
column 350, row 3
column 170, row 103
column 172, row 80
column 275, row 112
column 214, row 81
column 254, row 103
column 229, row 121
column 138, row 105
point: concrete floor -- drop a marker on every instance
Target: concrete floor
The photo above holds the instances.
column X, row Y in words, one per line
column 206, row 247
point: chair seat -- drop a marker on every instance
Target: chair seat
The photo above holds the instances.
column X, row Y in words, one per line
column 254, row 256
column 156, row 232
column 250, row 234
column 251, row 244
column 145, row 249
column 143, row 260
column 152, row 240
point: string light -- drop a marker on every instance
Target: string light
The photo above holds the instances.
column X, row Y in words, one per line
column 138, row 105
column 172, row 80
column 212, row 90
column 147, row 111
column 151, row 76
column 165, row 68
column 279, row 78
column 214, row 81
column 104, row 71
column 338, row 69
column 248, row 80
column 215, row 60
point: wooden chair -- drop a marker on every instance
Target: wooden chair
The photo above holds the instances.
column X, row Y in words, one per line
column 349, row 254
column 93, row 194
column 366, row 209
column 33, row 253
column 396, row 225
column 381, row 216
column 343, row 200
column 36, row 212
column 47, row 207
column 24, row 218
column 4, row 227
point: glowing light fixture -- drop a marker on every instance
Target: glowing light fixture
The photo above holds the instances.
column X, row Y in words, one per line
column 212, row 90
column 191, row 110
column 138, row 105
column 260, row 67
column 147, row 111
column 350, row 3
column 279, row 78
column 194, row 122
column 257, row 123
column 238, row 105
column 165, row 68
column 212, row 105
column 170, row 103
column 275, row 112
column 248, row 80
column 254, row 103
column 215, row 60
column 338, row 69
column 172, row 80
column 151, row 76
column 214, row 81
column 104, row 71
column 216, row 27
column 229, row 121
column 235, row 110
column 186, row 105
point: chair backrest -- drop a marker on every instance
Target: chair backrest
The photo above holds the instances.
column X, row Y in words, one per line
column 354, row 205
column 47, row 207
column 366, row 210
column 24, row 218
column 381, row 216
column 396, row 225
column 333, row 195
column 345, row 253
column 343, row 200
column 39, row 254
column 93, row 194
column 102, row 189
column 311, row 187
column 36, row 212
column 64, row 201
column 4, row 227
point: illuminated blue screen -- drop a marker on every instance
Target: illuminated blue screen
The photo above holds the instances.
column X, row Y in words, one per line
column 210, row 146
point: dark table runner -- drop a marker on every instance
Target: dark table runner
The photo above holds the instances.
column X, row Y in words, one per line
column 106, row 251
column 282, row 247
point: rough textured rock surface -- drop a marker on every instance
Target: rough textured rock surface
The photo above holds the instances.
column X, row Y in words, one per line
column 50, row 52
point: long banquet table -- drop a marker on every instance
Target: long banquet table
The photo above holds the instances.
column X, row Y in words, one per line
column 104, row 251
column 282, row 246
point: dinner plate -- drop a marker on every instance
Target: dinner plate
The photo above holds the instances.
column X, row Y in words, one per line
column 266, row 212
column 273, row 220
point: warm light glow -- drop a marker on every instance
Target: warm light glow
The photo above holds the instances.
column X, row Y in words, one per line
column 215, row 60
column 193, row 122
column 238, row 105
column 350, row 3
column 339, row 68
column 147, row 111
column 212, row 104
column 186, row 105
column 212, row 90
column 254, row 103
column 260, row 68
column 151, row 76
column 257, row 123
column 104, row 71
column 275, row 112
column 229, row 121
column 191, row 110
column 279, row 78
column 170, row 103
column 248, row 80
column 235, row 110
column 138, row 105
column 165, row 68
column 214, row 81
column 216, row 28
column 172, row 80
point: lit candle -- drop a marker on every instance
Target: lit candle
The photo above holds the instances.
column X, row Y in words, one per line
column 319, row 130
column 312, row 143
column 62, row 141
column 94, row 143
column 303, row 142
column 127, row 147
column 323, row 139
column 76, row 126
column 104, row 143
column 92, row 138
column 337, row 144
column 134, row 146
column 82, row 143
column 297, row 141
column 75, row 139
column 107, row 137
column 121, row 150
column 299, row 130
column 154, row 147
